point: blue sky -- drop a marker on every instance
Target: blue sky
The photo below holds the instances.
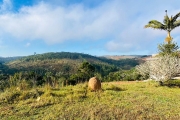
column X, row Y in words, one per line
column 96, row 27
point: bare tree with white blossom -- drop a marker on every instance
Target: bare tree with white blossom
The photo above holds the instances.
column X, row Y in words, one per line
column 161, row 68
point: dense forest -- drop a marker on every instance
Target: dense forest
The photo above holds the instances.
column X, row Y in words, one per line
column 64, row 68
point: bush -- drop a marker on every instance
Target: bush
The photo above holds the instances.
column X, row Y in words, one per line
column 9, row 96
column 172, row 83
column 3, row 85
column 34, row 93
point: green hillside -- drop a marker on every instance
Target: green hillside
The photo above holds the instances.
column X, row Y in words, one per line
column 81, row 56
column 65, row 68
column 61, row 61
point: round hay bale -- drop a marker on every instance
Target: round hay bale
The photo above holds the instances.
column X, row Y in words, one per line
column 94, row 84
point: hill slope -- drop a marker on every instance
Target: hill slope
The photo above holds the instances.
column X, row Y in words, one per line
column 75, row 57
column 68, row 63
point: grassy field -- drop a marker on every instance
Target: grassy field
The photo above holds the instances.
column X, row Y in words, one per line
column 117, row 101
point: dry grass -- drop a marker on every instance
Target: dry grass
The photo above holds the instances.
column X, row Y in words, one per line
column 125, row 100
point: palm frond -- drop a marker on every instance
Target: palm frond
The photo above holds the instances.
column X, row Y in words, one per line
column 156, row 25
column 166, row 20
column 175, row 17
column 176, row 24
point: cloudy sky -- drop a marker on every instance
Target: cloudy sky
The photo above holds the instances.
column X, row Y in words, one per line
column 95, row 27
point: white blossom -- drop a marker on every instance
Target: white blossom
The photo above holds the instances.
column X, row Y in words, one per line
column 161, row 69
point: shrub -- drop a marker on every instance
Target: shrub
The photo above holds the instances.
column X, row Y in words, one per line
column 3, row 85
column 34, row 93
column 172, row 83
column 10, row 96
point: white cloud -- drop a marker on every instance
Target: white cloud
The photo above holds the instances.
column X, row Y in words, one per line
column 134, row 37
column 120, row 22
column 5, row 6
column 59, row 24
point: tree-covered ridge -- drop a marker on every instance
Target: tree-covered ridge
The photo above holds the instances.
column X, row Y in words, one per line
column 57, row 55
column 67, row 63
column 63, row 68
column 124, row 63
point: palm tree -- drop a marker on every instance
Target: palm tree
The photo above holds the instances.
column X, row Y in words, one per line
column 170, row 23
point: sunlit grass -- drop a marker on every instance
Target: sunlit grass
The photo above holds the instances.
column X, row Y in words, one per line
column 136, row 100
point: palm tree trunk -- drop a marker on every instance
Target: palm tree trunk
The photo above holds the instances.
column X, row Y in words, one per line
column 168, row 38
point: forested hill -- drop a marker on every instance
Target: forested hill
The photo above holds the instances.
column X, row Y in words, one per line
column 125, row 63
column 68, row 66
column 58, row 55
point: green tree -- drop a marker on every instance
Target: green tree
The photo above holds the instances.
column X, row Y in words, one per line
column 87, row 70
column 168, row 49
column 169, row 23
column 47, row 78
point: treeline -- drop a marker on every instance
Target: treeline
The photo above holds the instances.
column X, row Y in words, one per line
column 57, row 55
column 66, row 61
column 124, row 63
column 30, row 79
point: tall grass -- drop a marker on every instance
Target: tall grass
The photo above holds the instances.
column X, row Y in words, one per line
column 137, row 100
